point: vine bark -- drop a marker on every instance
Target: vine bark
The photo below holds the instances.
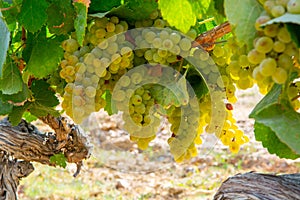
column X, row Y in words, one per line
column 23, row 144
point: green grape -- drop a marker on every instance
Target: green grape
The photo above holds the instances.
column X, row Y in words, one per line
column 78, row 101
column 255, row 57
column 150, row 36
column 175, row 37
column 268, row 66
column 136, row 99
column 119, row 95
column 279, row 76
column 110, row 27
column 283, row 35
column 264, row 44
column 140, row 109
column 268, row 5
column 218, row 51
column 148, row 55
column 261, row 20
column 112, row 48
column 277, row 11
column 284, row 61
column 167, row 44
column 70, row 45
column 279, row 46
column 157, row 43
column 271, row 30
column 100, row 33
column 185, row 44
column 293, row 6
column 159, row 23
column 136, row 78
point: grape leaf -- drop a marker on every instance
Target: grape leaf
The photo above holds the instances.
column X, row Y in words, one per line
column 178, row 13
column 272, row 142
column 284, row 121
column 198, row 85
column 5, row 108
column 4, row 42
column 242, row 16
column 59, row 159
column 286, row 18
column 11, row 14
column 131, row 10
column 80, row 21
column 29, row 117
column 16, row 114
column 216, row 9
column 39, row 110
column 61, row 16
column 33, row 14
column 44, row 56
column 200, row 8
column 271, row 98
column 294, row 30
column 11, row 81
column 42, row 93
column 44, row 99
column 99, row 6
column 18, row 97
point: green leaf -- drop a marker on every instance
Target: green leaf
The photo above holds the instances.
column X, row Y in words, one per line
column 294, row 30
column 33, row 14
column 242, row 16
column 284, row 121
column 61, row 16
column 198, row 85
column 271, row 98
column 286, row 18
column 272, row 143
column 216, row 10
column 4, row 42
column 42, row 93
column 5, row 108
column 29, row 117
column 39, row 110
column 11, row 82
column 131, row 10
column 11, row 14
column 16, row 114
column 80, row 21
column 200, row 8
column 18, row 97
column 109, row 106
column 59, row 159
column 178, row 13
column 100, row 6
column 44, row 99
column 44, row 56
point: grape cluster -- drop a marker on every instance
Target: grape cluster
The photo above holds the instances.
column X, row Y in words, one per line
column 184, row 123
column 131, row 65
column 274, row 50
column 94, row 68
column 230, row 134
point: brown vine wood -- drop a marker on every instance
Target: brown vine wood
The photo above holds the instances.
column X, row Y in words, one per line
column 208, row 39
column 24, row 143
column 11, row 171
column 256, row 186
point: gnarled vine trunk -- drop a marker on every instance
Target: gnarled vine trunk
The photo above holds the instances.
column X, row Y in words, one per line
column 24, row 143
column 256, row 186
